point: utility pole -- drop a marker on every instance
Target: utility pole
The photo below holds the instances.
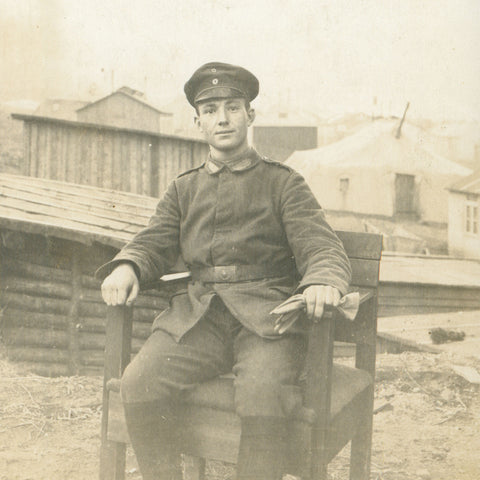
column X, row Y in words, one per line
column 399, row 130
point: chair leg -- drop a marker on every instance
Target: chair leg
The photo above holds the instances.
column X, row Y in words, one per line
column 112, row 461
column 362, row 444
column 194, row 468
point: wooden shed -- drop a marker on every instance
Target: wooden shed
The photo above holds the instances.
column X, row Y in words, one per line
column 126, row 108
column 54, row 236
column 104, row 156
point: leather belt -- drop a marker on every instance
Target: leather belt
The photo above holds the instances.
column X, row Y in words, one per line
column 239, row 273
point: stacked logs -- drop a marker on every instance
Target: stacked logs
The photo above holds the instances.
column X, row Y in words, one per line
column 53, row 316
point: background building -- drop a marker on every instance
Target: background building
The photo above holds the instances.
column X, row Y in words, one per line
column 375, row 173
column 464, row 217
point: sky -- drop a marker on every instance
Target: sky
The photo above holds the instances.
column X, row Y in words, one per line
column 324, row 56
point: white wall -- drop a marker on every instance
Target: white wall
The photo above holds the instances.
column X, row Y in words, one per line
column 372, row 191
column 460, row 243
column 369, row 191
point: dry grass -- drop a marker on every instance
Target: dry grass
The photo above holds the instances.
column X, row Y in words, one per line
column 49, row 427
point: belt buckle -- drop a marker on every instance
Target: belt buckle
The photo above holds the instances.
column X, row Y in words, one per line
column 225, row 273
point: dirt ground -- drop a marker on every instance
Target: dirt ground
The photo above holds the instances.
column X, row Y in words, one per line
column 427, row 429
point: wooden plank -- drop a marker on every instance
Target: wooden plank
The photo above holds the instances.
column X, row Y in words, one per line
column 403, row 290
column 27, row 142
column 74, row 216
column 364, row 272
column 63, row 154
column 53, row 154
column 92, row 324
column 141, row 212
column 48, row 151
column 77, row 158
column 94, row 161
column 361, row 245
column 15, row 267
column 91, row 341
column 146, row 166
column 37, row 288
column 106, row 161
column 70, row 159
column 162, row 167
column 92, row 357
column 57, row 228
column 72, row 189
column 35, row 304
column 41, row 337
column 116, row 162
column 37, row 354
column 125, row 164
column 24, row 318
column 41, row 146
column 33, row 149
column 42, row 204
column 86, row 147
column 432, row 301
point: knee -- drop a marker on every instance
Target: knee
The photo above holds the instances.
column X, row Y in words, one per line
column 138, row 384
column 257, row 398
column 268, row 399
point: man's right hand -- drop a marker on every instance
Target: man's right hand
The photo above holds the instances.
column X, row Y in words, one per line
column 121, row 286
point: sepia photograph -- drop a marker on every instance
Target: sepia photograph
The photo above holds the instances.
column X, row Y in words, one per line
column 239, row 240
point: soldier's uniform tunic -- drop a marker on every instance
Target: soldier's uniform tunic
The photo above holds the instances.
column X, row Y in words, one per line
column 238, row 227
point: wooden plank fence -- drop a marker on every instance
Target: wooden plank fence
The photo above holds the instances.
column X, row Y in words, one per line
column 104, row 156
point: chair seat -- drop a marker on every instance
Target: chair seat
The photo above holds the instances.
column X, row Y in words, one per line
column 348, row 382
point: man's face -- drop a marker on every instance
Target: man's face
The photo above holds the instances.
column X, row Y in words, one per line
column 224, row 123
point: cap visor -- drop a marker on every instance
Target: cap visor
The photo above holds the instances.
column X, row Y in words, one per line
column 218, row 92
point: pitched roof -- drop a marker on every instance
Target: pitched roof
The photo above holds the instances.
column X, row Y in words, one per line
column 470, row 184
column 59, row 108
column 376, row 147
column 75, row 212
column 129, row 93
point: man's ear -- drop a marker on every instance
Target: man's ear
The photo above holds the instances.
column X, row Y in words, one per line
column 196, row 120
column 251, row 116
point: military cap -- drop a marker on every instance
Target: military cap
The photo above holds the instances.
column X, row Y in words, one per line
column 220, row 80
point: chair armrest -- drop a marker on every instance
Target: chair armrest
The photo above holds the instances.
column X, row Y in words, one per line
column 319, row 362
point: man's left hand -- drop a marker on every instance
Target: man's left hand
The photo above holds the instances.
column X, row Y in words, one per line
column 319, row 296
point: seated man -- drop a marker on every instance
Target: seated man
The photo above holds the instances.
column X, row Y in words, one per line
column 252, row 234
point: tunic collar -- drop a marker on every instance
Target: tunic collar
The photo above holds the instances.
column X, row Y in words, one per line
column 240, row 163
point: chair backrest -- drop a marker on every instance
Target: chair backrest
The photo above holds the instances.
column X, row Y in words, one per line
column 364, row 251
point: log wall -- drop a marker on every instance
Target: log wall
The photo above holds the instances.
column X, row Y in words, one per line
column 53, row 316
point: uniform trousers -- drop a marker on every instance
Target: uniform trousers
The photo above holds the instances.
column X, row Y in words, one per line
column 265, row 369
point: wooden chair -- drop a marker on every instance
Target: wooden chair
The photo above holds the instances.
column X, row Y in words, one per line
column 337, row 400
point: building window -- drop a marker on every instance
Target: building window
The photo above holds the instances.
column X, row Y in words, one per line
column 405, row 194
column 344, row 182
column 471, row 217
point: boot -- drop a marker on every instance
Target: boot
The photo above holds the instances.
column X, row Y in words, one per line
column 263, row 447
column 152, row 429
